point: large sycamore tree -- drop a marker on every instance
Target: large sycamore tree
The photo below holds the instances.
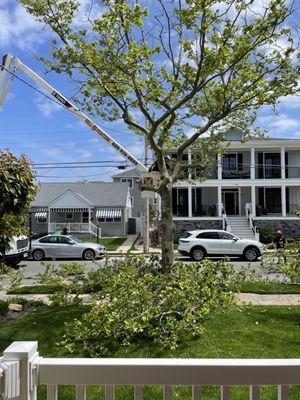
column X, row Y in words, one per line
column 174, row 70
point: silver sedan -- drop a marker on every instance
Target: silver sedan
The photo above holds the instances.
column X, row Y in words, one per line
column 65, row 246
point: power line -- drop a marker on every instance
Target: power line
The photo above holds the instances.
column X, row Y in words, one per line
column 37, row 90
column 19, row 133
column 75, row 176
column 41, row 92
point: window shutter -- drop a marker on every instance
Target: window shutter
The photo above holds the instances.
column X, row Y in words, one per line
column 240, row 161
column 260, row 157
column 174, row 201
column 261, row 197
column 286, row 165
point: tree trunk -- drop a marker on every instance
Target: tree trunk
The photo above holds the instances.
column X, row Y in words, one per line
column 167, row 228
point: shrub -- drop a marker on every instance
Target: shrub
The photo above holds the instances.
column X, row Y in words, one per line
column 3, row 307
column 137, row 302
column 266, row 235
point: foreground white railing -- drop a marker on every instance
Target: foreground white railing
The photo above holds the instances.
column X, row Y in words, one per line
column 22, row 370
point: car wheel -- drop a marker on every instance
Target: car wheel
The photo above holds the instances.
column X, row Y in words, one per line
column 198, row 253
column 88, row 254
column 251, row 254
column 38, row 255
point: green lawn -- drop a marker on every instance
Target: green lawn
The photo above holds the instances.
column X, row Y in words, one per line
column 240, row 332
column 250, row 287
column 111, row 244
column 270, row 288
column 254, row 331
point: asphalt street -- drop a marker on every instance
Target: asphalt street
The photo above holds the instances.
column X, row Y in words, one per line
column 32, row 268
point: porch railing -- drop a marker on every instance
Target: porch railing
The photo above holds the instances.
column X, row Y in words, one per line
column 83, row 227
column 22, row 370
column 77, row 227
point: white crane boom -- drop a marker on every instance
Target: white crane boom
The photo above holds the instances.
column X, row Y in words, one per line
column 14, row 64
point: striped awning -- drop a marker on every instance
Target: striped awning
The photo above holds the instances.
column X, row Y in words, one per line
column 69, row 210
column 109, row 213
column 41, row 214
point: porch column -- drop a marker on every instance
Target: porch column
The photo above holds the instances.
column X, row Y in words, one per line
column 282, row 162
column 190, row 201
column 49, row 218
column 283, row 200
column 219, row 167
column 190, row 162
column 253, row 200
column 220, row 201
column 252, row 164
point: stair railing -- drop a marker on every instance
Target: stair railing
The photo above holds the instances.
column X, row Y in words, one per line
column 249, row 215
column 225, row 221
column 95, row 230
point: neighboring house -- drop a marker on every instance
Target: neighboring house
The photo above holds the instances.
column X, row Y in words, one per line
column 81, row 207
column 254, row 184
column 132, row 177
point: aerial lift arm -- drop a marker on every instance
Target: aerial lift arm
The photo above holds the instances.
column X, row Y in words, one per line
column 14, row 64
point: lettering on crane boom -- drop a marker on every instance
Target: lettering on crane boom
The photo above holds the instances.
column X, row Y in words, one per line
column 96, row 128
column 61, row 99
column 110, row 141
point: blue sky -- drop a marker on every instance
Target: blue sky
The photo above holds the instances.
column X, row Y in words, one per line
column 33, row 125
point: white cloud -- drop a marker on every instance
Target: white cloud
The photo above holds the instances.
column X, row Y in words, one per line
column 85, row 154
column 290, row 102
column 88, row 9
column 281, row 124
column 18, row 28
column 46, row 106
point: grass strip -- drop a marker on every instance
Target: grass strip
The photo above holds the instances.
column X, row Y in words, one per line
column 270, row 288
column 251, row 287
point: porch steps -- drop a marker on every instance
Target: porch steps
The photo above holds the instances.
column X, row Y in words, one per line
column 240, row 227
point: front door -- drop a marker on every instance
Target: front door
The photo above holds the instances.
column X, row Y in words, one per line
column 231, row 201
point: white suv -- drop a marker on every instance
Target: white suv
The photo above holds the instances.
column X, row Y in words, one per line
column 202, row 243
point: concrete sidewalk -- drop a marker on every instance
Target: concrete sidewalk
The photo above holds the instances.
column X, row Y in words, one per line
column 126, row 246
column 269, row 299
column 242, row 298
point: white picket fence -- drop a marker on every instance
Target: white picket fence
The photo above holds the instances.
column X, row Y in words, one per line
column 22, row 370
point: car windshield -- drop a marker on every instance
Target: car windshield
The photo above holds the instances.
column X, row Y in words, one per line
column 76, row 240
column 186, row 235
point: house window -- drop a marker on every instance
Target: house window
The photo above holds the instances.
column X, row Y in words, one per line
column 129, row 180
column 131, row 199
column 42, row 220
column 69, row 215
column 230, row 162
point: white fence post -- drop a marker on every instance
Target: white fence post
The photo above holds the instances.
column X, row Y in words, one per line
column 22, row 354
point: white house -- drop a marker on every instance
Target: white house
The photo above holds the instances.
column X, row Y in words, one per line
column 255, row 183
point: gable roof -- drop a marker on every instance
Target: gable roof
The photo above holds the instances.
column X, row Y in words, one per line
column 101, row 194
column 71, row 195
column 130, row 173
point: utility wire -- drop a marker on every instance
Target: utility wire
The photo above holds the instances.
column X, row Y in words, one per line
column 38, row 90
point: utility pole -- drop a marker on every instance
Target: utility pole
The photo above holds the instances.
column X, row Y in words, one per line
column 146, row 210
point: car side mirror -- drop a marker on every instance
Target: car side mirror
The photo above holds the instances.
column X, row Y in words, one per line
column 235, row 239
